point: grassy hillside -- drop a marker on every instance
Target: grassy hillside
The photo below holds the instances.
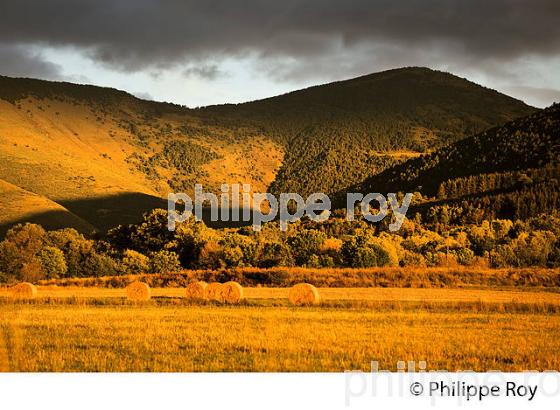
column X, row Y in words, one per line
column 36, row 209
column 338, row 134
column 106, row 156
column 507, row 171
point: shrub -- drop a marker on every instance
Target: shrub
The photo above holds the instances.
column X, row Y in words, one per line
column 238, row 250
column 306, row 243
column 412, row 259
column 10, row 261
column 365, row 250
column 19, row 250
column 164, row 261
column 273, row 254
column 102, row 265
column 464, row 256
column 134, row 262
column 423, row 242
column 211, row 256
column 52, row 262
column 31, row 271
column 441, row 259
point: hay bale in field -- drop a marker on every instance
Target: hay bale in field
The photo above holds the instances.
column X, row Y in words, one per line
column 304, row 294
column 138, row 291
column 197, row 290
column 232, row 292
column 23, row 290
column 214, row 292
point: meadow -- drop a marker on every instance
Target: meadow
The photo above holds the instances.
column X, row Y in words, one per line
column 93, row 329
column 371, row 277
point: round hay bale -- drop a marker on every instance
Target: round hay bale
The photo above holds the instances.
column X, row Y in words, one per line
column 196, row 291
column 23, row 290
column 304, row 294
column 232, row 292
column 138, row 291
column 214, row 292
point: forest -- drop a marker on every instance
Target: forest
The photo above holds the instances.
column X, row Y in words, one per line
column 30, row 253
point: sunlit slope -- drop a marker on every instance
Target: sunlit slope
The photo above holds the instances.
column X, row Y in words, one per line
column 59, row 150
column 108, row 156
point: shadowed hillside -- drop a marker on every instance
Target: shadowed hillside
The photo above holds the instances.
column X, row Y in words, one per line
column 508, row 171
column 529, row 142
column 28, row 207
column 74, row 144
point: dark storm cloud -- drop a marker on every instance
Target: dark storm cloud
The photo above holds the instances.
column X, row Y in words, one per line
column 136, row 34
column 207, row 72
column 19, row 62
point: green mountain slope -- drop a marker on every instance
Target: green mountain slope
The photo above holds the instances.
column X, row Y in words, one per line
column 507, row 171
column 338, row 134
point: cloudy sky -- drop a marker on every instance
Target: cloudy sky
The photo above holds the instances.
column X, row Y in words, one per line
column 206, row 51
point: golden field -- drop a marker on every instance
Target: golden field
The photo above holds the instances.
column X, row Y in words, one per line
column 485, row 295
column 378, row 277
column 92, row 329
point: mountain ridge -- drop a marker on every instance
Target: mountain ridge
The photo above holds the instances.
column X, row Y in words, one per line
column 510, row 171
column 72, row 143
column 411, row 109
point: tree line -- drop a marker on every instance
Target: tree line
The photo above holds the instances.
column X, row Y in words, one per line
column 30, row 253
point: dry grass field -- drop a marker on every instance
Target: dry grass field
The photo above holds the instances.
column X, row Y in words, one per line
column 487, row 295
column 378, row 277
column 92, row 329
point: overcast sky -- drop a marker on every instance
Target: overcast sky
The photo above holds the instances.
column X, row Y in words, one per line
column 207, row 52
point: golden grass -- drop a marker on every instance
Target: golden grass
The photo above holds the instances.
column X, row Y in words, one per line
column 328, row 294
column 44, row 337
column 436, row 277
column 89, row 329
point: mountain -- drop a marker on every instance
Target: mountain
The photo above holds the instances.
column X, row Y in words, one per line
column 106, row 156
column 511, row 170
column 338, row 134
column 102, row 157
